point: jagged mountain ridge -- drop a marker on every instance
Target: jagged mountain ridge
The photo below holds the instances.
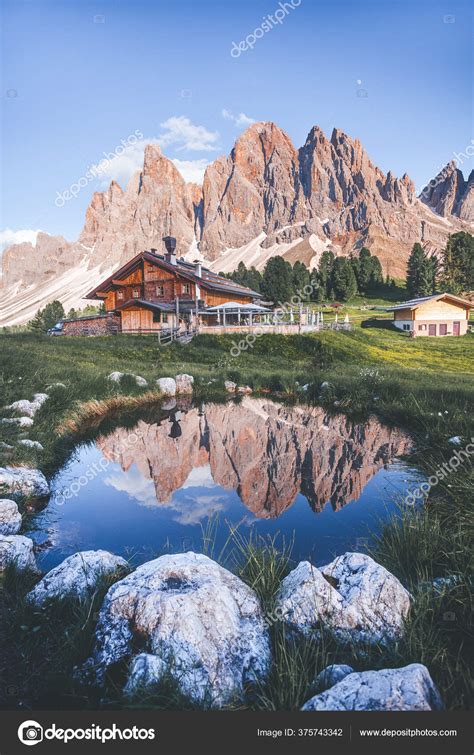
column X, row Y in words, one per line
column 267, row 452
column 265, row 198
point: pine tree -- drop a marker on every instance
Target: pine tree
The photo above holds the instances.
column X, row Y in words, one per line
column 415, row 265
column 458, row 263
column 376, row 274
column 277, row 282
column 36, row 324
column 301, row 278
column 364, row 270
column 343, row 279
column 52, row 313
column 325, row 269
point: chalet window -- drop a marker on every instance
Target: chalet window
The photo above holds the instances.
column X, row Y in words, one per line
column 164, row 317
column 119, row 294
column 443, row 329
column 136, row 294
column 422, row 327
column 186, row 288
column 156, row 317
column 406, row 326
column 160, row 290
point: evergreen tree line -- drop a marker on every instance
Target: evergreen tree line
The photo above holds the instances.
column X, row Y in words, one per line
column 453, row 272
column 336, row 278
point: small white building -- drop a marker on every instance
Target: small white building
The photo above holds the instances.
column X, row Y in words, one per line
column 437, row 315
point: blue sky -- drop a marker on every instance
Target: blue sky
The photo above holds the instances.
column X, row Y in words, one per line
column 80, row 77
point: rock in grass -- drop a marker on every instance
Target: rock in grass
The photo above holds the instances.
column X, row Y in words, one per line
column 184, row 383
column 17, row 550
column 31, row 444
column 77, row 576
column 23, row 481
column 407, row 688
column 331, row 675
column 244, row 390
column 353, row 596
column 28, row 408
column 203, row 622
column 230, row 386
column 10, row 517
column 166, row 386
column 20, row 421
column 116, row 377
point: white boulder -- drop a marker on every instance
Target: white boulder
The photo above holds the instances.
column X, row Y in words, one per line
column 230, row 386
column 31, row 444
column 20, row 421
column 23, row 481
column 407, row 688
column 184, row 383
column 77, row 576
column 28, row 408
column 115, row 377
column 167, row 386
column 17, row 550
column 203, row 622
column 10, row 517
column 353, row 596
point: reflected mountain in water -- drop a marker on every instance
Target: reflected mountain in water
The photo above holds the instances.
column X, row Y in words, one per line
column 266, row 452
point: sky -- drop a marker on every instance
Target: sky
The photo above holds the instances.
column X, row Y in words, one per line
column 89, row 83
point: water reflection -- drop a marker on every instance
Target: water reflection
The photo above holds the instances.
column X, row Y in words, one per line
column 267, row 452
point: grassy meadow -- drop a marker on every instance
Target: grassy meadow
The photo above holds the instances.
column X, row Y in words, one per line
column 423, row 385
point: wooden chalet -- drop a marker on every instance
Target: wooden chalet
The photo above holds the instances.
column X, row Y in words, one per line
column 155, row 291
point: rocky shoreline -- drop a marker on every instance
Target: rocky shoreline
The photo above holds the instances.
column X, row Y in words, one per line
column 186, row 618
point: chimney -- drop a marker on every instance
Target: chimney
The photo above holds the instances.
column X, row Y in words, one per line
column 198, row 268
column 153, row 251
column 170, row 245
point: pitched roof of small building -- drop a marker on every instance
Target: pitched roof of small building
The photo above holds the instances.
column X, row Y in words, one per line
column 184, row 269
column 415, row 303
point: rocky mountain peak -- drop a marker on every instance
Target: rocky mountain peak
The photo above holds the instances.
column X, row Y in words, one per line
column 264, row 198
column 445, row 193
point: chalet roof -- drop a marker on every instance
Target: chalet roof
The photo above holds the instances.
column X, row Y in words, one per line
column 184, row 269
column 231, row 305
column 154, row 306
column 415, row 303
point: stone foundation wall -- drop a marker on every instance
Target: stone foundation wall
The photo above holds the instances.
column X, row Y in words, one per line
column 95, row 325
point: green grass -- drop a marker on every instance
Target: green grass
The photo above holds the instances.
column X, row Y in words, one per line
column 423, row 385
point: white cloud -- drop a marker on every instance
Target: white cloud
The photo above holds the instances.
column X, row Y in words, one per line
column 192, row 170
column 121, row 167
column 183, row 134
column 241, row 120
column 179, row 133
column 8, row 237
